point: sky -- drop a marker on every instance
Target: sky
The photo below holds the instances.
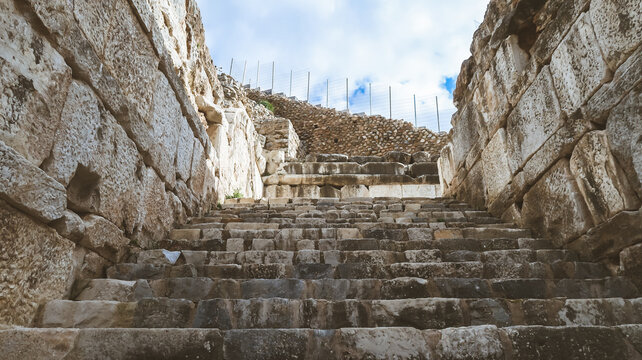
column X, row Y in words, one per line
column 399, row 52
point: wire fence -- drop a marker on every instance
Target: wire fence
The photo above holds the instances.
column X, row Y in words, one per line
column 392, row 101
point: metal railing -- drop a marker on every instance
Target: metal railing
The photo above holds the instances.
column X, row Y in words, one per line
column 391, row 101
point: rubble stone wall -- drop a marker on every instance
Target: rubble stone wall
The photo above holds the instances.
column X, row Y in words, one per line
column 113, row 129
column 325, row 131
column 548, row 131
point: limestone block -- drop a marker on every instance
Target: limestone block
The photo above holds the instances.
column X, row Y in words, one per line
column 38, row 343
column 600, row 179
column 354, row 191
column 555, row 19
column 422, row 168
column 104, row 238
column 398, row 156
column 472, row 188
column 511, row 62
column 184, row 150
column 94, row 18
column 490, row 98
column 383, row 168
column 610, row 94
column 554, row 207
column 155, row 214
column 278, row 191
column 144, row 11
column 329, row 191
column 34, row 79
column 618, row 28
column 421, row 156
column 481, row 342
column 385, row 191
column 624, row 129
column 631, row 260
column 559, row 145
column 306, row 191
column 70, row 226
column 577, row 66
column 331, row 158
column 424, row 190
column 131, row 58
column 28, row 188
column 446, row 164
column 495, row 166
column 535, row 118
column 381, row 343
column 609, row 238
column 469, row 135
column 36, row 266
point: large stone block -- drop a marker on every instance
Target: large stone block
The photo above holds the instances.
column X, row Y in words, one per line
column 601, row 180
column 446, row 165
column 511, row 64
column 495, row 168
column 469, row 135
column 555, row 19
column 35, row 266
column 94, row 18
column 624, row 131
column 34, row 79
column 155, row 215
column 577, row 66
column 28, row 188
column 554, row 207
column 104, row 238
column 95, row 159
column 130, row 56
column 535, row 118
column 618, row 27
column 185, row 150
column 480, row 342
column 386, row 191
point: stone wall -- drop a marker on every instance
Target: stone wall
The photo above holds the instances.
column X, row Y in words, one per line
column 104, row 119
column 548, row 131
column 325, row 130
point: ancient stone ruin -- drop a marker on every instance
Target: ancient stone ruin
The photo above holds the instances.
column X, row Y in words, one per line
column 151, row 208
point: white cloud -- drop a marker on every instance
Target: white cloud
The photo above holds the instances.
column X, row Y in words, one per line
column 389, row 42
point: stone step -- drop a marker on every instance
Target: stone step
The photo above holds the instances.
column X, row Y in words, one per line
column 372, row 168
column 469, row 269
column 473, row 342
column 267, row 251
column 196, row 289
column 340, row 180
column 420, row 313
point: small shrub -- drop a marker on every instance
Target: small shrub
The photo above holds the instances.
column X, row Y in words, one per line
column 235, row 195
column 267, row 104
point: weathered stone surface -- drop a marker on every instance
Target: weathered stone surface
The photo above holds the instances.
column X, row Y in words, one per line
column 131, row 58
column 534, row 119
column 618, row 27
column 469, row 136
column 35, row 266
column 34, row 79
column 381, row 343
column 354, row 191
column 155, row 215
column 104, row 238
column 600, row 179
column 495, row 165
column 70, row 226
column 577, row 66
column 421, row 156
column 29, row 188
column 554, row 207
column 481, row 342
column 631, row 260
column 609, row 238
column 623, row 129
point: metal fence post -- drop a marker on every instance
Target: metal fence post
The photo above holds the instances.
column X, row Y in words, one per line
column 272, row 88
column 290, row 83
column 347, row 96
column 308, row 98
column 390, row 100
column 370, row 90
column 437, row 103
column 244, row 69
column 231, row 65
column 414, row 100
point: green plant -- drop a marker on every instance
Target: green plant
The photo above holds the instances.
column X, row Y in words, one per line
column 235, row 195
column 267, row 104
column 219, row 206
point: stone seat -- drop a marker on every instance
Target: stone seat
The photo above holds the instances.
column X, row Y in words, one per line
column 419, row 313
column 200, row 288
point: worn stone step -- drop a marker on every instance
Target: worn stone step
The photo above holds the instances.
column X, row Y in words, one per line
column 356, row 270
column 198, row 288
column 473, row 342
column 346, row 179
column 420, row 313
column 334, row 168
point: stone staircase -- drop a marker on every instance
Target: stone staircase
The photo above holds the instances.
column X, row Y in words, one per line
column 343, row 277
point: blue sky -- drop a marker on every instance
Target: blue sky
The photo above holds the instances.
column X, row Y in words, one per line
column 402, row 47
